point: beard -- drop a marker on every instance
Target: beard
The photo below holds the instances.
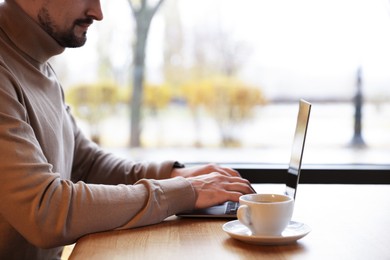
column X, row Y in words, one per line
column 67, row 39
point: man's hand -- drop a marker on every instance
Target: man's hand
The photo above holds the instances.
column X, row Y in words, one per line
column 216, row 188
column 204, row 169
column 214, row 184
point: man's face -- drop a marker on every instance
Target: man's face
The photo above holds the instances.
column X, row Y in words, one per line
column 67, row 21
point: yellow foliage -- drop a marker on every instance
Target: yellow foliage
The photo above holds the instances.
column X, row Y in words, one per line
column 225, row 98
column 157, row 96
column 93, row 102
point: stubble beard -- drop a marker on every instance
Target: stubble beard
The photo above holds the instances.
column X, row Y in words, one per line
column 67, row 38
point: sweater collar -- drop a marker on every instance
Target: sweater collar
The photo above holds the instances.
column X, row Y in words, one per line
column 26, row 34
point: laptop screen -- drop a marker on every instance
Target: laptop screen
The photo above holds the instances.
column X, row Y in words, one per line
column 294, row 167
column 292, row 173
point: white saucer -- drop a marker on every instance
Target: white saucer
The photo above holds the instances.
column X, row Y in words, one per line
column 292, row 233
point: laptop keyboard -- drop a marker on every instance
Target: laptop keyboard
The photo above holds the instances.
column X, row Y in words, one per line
column 231, row 208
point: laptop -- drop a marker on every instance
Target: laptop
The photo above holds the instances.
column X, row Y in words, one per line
column 229, row 209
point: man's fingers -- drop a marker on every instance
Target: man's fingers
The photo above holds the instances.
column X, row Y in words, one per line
column 222, row 170
column 243, row 188
column 215, row 188
column 227, row 171
column 234, row 196
column 205, row 169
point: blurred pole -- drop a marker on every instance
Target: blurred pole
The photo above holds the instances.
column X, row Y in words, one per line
column 357, row 139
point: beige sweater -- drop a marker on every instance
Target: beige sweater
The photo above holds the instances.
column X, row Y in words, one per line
column 56, row 185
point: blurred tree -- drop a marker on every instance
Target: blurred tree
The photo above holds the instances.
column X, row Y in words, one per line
column 231, row 54
column 94, row 103
column 196, row 94
column 175, row 70
column 143, row 11
column 218, row 51
column 156, row 97
column 229, row 101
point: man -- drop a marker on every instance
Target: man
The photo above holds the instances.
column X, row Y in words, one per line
column 56, row 185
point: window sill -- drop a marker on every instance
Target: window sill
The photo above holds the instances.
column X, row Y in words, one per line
column 315, row 173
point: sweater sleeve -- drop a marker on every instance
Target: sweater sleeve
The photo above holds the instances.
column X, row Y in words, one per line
column 94, row 165
column 41, row 204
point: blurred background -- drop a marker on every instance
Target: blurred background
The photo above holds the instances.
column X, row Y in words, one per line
column 220, row 80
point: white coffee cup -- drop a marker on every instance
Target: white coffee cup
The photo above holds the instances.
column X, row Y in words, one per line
column 265, row 214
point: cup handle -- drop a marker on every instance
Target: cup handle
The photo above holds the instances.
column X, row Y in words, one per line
column 243, row 215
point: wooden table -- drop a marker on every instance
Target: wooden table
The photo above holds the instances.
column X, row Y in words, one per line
column 347, row 221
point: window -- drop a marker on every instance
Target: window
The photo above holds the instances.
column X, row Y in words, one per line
column 223, row 78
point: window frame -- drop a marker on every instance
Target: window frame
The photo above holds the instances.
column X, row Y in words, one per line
column 315, row 173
